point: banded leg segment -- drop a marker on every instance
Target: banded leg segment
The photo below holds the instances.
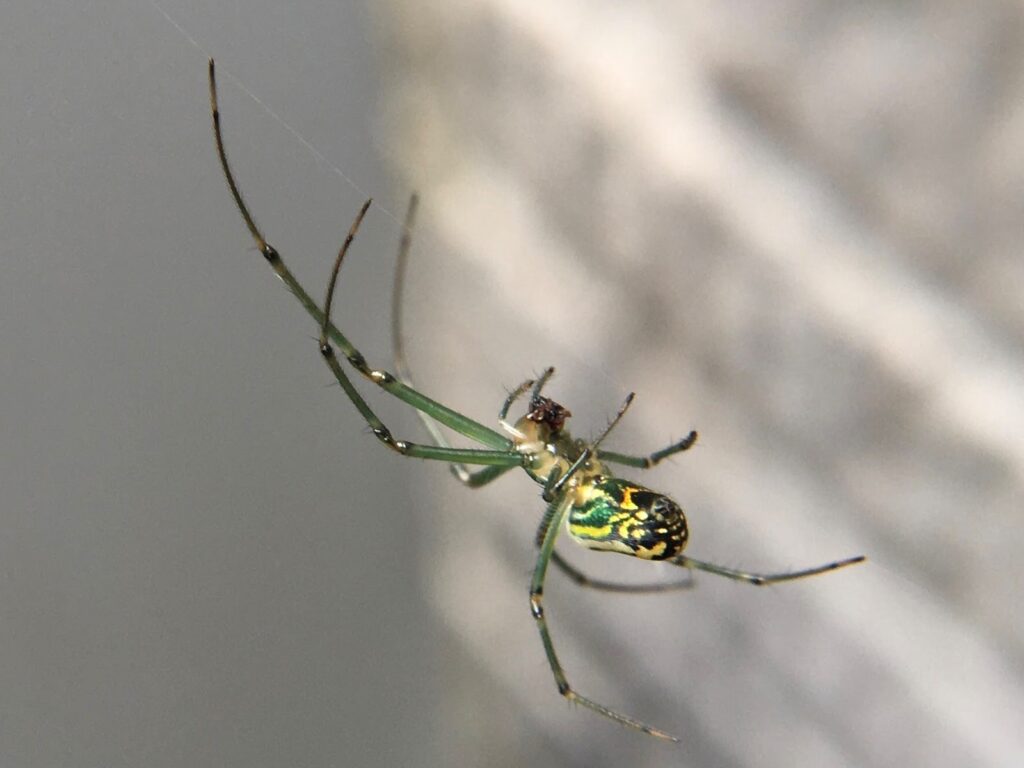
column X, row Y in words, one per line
column 762, row 579
column 555, row 515
column 646, row 462
column 514, row 395
column 386, row 381
column 499, row 458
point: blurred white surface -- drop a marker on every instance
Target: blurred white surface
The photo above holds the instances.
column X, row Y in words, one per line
column 782, row 225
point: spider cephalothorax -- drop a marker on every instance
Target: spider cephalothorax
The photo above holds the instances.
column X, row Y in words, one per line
column 599, row 510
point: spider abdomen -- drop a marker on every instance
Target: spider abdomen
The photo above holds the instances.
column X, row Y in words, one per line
column 613, row 514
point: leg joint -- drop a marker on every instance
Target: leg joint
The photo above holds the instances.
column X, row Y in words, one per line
column 270, row 252
column 383, row 434
column 355, row 357
column 536, row 596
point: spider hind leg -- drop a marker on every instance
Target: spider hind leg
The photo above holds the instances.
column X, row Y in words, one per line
column 762, row 579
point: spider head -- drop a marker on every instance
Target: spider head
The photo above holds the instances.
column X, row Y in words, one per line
column 544, row 410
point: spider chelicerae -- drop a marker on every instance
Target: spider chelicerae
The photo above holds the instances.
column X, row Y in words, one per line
column 598, row 509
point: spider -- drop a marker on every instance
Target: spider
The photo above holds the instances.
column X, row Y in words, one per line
column 598, row 509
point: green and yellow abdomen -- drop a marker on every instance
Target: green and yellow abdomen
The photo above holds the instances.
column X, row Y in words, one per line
column 616, row 515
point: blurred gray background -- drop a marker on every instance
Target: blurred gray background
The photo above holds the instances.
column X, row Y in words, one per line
column 794, row 226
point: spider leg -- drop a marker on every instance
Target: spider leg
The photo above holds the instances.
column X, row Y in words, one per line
column 539, row 384
column 761, row 579
column 554, row 485
column 461, row 472
column 551, row 525
column 500, row 458
column 386, row 381
column 646, row 462
column 580, row 579
column 536, row 385
column 514, row 395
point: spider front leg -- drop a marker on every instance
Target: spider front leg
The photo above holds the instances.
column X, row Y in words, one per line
column 502, row 453
column 515, row 394
column 498, row 458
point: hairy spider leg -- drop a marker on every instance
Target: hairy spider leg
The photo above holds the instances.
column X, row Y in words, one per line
column 502, row 453
column 550, row 526
column 646, row 462
column 518, row 392
column 542, row 382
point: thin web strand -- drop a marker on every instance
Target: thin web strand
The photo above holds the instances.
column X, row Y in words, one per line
column 319, row 156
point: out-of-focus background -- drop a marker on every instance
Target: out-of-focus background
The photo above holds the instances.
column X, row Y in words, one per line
column 794, row 226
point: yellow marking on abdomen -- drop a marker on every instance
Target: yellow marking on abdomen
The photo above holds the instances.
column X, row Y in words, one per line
column 590, row 531
column 657, row 550
column 627, row 498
